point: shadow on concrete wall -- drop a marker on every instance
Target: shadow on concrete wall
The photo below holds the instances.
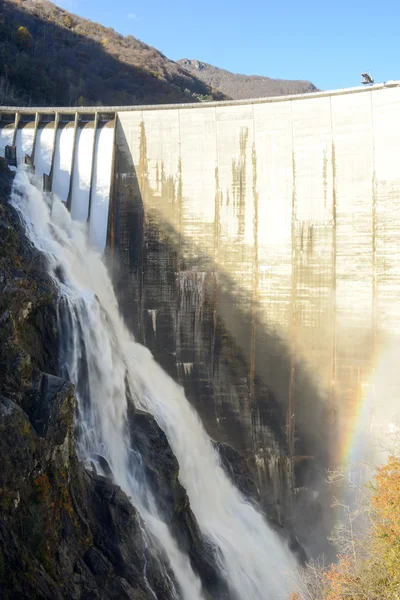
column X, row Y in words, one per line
column 203, row 339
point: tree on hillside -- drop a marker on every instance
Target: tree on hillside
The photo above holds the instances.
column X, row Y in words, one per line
column 386, row 501
column 67, row 21
column 23, row 38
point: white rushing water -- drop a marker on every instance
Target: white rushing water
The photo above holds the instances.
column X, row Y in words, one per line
column 24, row 141
column 101, row 186
column 254, row 560
column 82, row 173
column 6, row 137
column 44, row 149
column 63, row 161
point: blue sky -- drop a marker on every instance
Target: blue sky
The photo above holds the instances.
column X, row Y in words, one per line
column 328, row 42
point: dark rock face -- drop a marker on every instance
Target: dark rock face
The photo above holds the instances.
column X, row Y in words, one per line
column 28, row 334
column 238, row 471
column 162, row 472
column 63, row 532
column 119, row 548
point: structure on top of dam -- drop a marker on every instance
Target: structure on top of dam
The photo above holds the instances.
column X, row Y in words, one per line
column 257, row 251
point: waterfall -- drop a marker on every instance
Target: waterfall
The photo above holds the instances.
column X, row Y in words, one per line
column 104, row 362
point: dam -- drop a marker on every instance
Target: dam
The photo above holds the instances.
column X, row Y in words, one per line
column 255, row 248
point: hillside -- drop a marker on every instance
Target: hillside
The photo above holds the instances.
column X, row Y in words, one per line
column 49, row 56
column 240, row 87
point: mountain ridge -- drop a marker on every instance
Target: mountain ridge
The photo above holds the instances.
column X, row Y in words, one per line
column 239, row 86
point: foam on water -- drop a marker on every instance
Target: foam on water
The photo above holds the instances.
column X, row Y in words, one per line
column 102, row 359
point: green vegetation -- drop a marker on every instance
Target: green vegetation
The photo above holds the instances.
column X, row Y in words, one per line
column 23, row 38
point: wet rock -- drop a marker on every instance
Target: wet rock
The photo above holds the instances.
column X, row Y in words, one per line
column 21, row 575
column 121, row 542
column 161, row 469
column 237, row 470
column 52, row 407
column 65, row 533
column 97, row 563
column 28, row 332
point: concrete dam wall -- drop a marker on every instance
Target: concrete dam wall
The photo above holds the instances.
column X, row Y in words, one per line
column 256, row 252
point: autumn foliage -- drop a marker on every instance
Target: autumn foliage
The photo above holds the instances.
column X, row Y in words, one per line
column 370, row 569
column 386, row 501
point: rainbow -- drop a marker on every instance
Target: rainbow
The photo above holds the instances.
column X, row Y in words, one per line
column 375, row 410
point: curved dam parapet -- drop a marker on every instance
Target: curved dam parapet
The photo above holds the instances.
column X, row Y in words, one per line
column 258, row 248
